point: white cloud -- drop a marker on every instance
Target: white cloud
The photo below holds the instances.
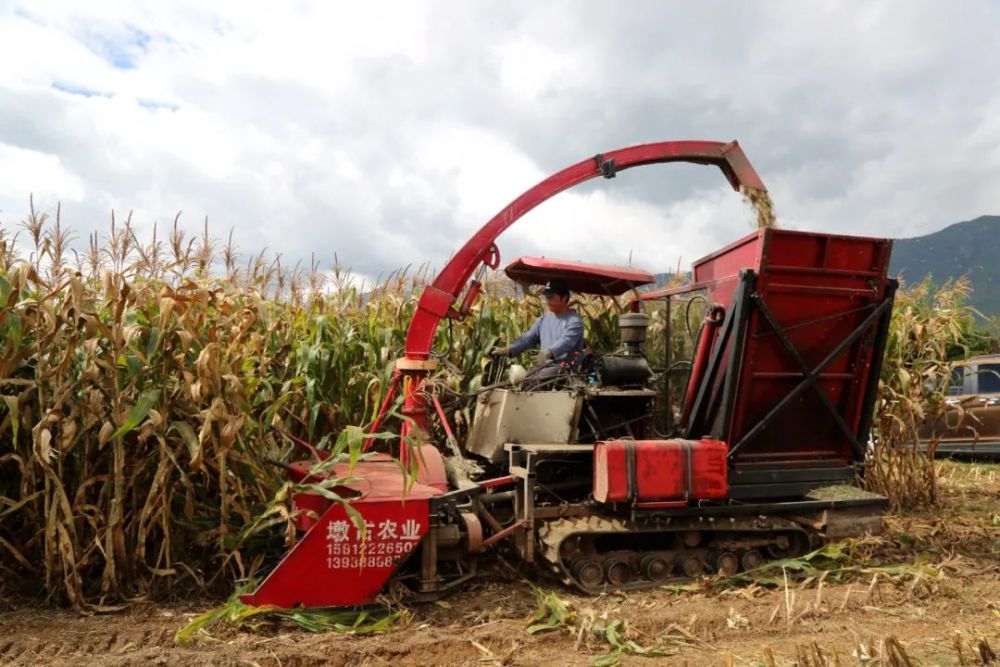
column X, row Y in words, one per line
column 25, row 169
column 389, row 133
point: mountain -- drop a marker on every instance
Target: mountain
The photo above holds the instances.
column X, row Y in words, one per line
column 971, row 247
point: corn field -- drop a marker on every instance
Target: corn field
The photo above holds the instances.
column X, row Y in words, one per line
column 146, row 386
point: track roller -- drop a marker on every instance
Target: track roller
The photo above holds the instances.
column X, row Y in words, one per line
column 788, row 546
column 727, row 563
column 751, row 560
column 588, row 571
column 655, row 567
column 617, row 570
column 693, row 566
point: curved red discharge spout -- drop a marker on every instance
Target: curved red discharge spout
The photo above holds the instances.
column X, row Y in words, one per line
column 438, row 299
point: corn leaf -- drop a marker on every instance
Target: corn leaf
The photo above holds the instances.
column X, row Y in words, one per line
column 138, row 412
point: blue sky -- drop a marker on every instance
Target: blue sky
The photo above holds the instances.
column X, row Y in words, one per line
column 389, row 133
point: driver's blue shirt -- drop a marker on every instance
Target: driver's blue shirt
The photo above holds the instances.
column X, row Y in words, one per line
column 559, row 334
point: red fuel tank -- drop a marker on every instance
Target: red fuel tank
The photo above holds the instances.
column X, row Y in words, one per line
column 643, row 471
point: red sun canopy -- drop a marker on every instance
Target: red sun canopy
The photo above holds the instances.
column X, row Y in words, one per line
column 584, row 278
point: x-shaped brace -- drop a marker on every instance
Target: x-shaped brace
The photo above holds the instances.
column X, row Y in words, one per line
column 810, row 376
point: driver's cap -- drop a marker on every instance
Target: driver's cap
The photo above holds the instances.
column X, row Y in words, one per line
column 556, row 286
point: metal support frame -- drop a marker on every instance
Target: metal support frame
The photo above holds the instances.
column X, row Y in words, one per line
column 429, row 559
column 741, row 304
column 668, row 344
column 707, row 397
column 505, row 533
column 699, row 410
column 767, row 508
column 875, row 372
column 524, row 501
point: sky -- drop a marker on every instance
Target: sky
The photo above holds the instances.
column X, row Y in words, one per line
column 387, row 133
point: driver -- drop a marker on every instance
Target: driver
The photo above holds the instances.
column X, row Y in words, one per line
column 559, row 332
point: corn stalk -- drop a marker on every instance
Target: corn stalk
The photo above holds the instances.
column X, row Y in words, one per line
column 929, row 327
column 141, row 384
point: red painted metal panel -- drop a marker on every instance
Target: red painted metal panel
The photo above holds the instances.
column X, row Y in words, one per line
column 720, row 270
column 378, row 474
column 579, row 277
column 819, row 288
column 333, row 565
column 661, row 470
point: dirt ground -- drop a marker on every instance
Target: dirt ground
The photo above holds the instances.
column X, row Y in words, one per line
column 927, row 592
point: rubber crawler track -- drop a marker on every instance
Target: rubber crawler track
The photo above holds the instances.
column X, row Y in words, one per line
column 553, row 534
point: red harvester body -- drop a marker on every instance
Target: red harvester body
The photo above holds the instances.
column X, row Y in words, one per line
column 613, row 476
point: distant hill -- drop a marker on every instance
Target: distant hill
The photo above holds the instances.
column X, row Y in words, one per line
column 971, row 247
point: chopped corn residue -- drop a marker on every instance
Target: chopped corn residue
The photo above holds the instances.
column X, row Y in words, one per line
column 762, row 206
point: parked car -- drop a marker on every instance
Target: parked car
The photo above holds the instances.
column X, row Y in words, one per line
column 971, row 427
